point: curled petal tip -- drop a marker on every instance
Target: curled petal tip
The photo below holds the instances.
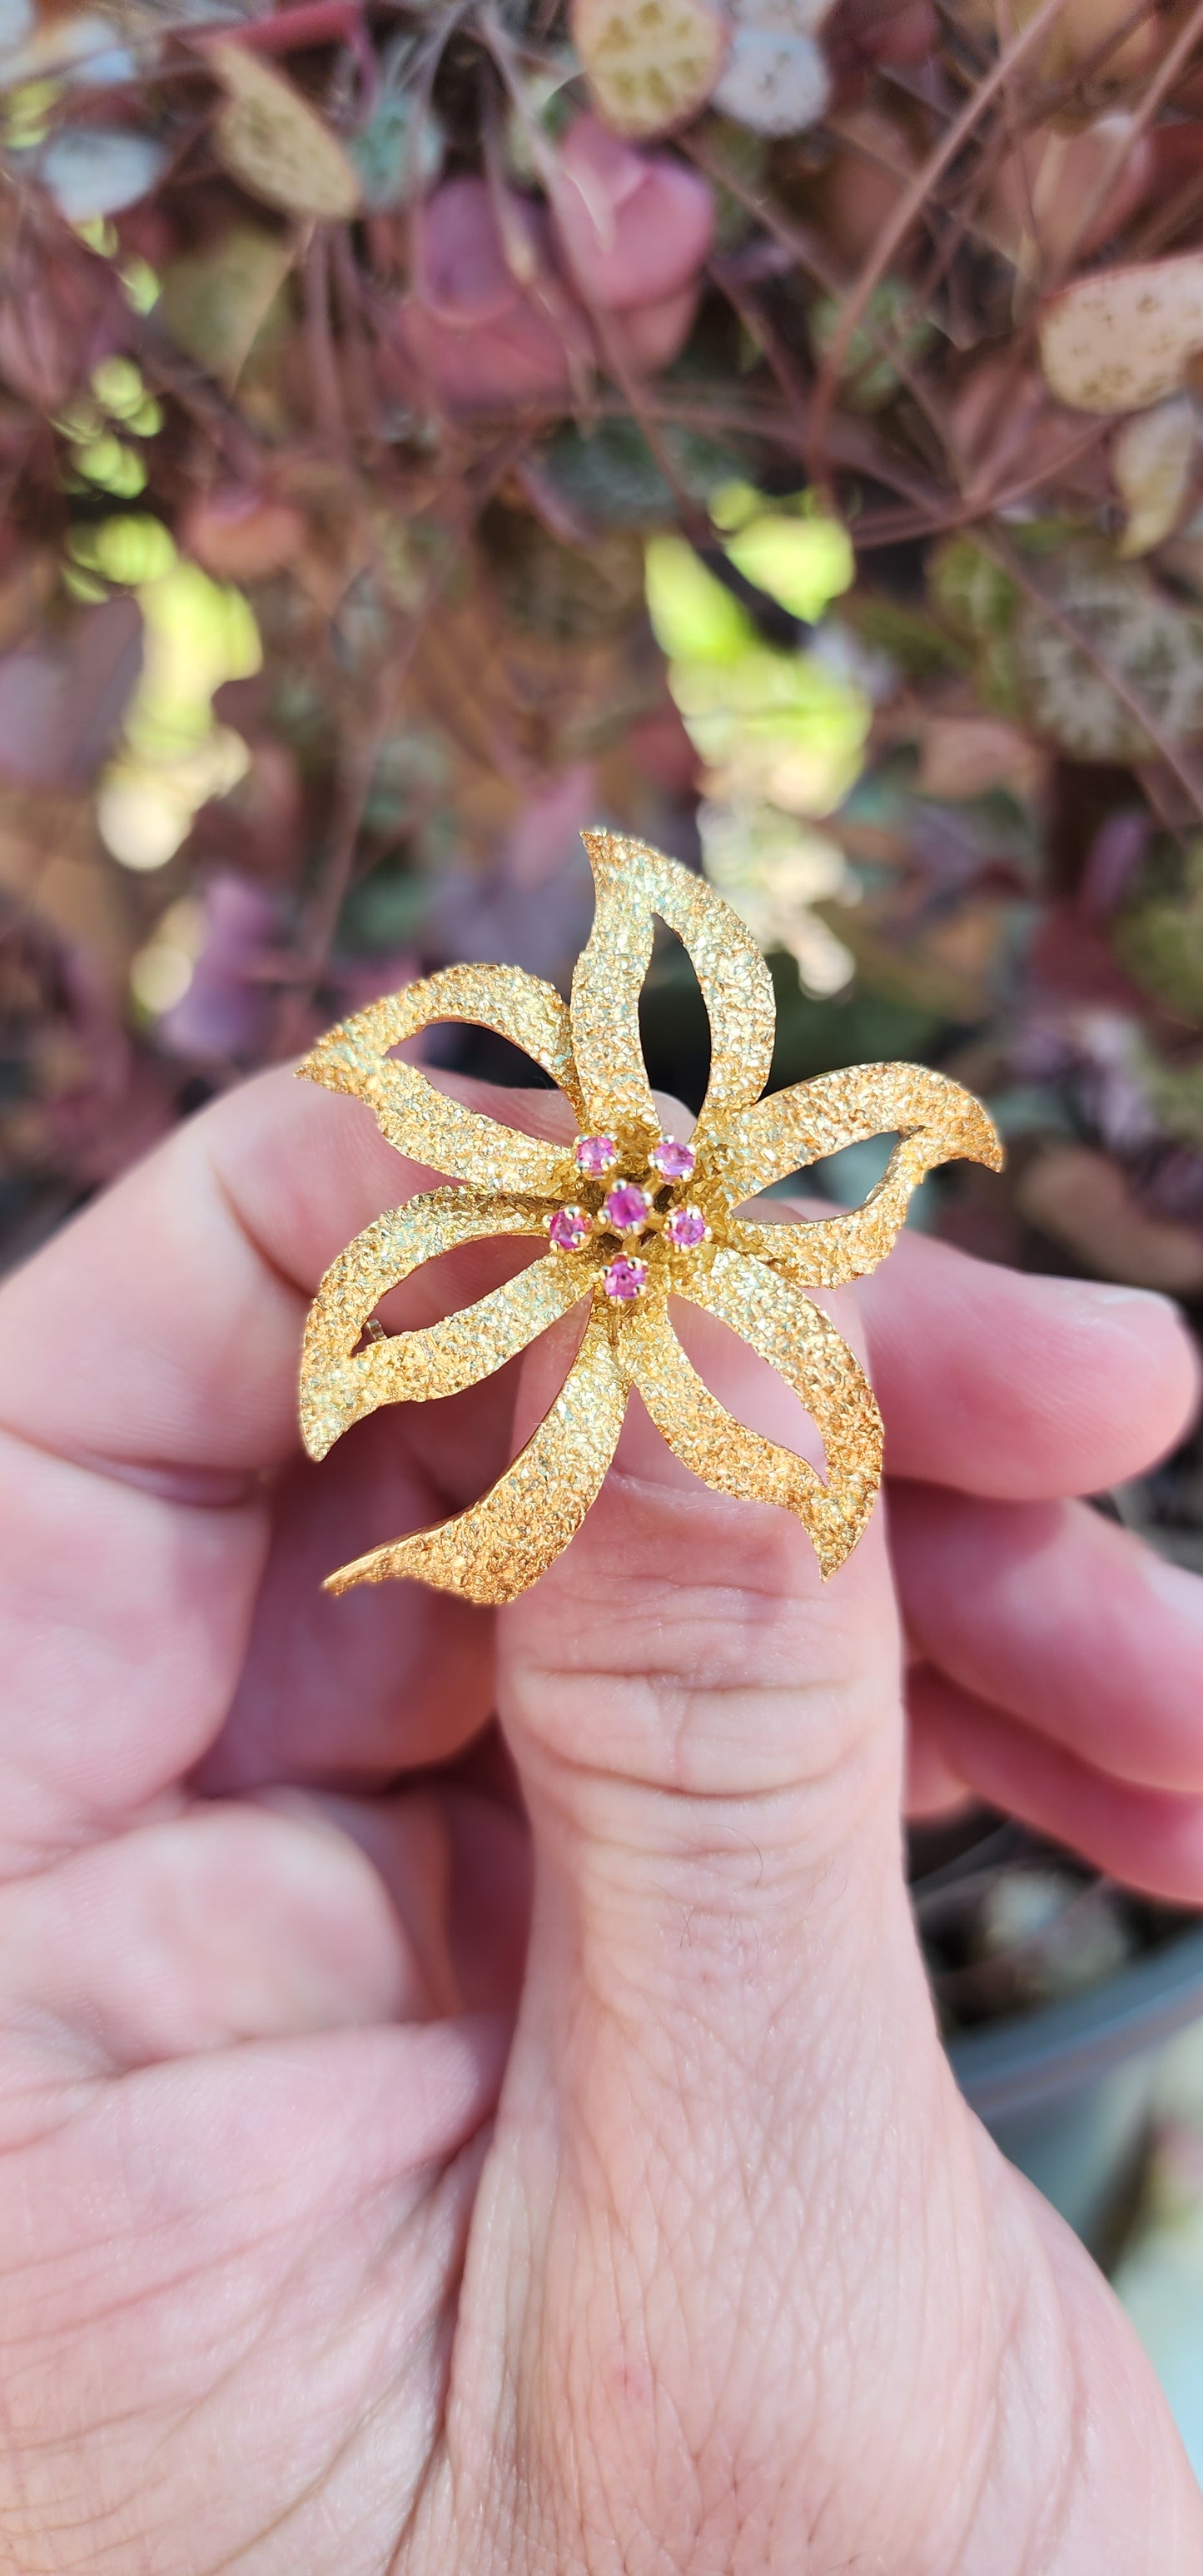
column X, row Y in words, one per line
column 375, row 1567
column 322, row 1065
column 981, row 1141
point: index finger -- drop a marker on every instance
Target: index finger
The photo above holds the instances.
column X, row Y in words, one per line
column 1018, row 1387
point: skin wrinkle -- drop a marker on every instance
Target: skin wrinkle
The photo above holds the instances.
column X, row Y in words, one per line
column 267, row 2323
column 1034, row 2328
column 200, row 1488
column 1031, row 2553
column 708, row 2194
column 697, row 1867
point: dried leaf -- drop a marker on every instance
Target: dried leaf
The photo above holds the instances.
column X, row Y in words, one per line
column 1122, row 340
column 650, row 64
column 1084, row 28
column 870, row 170
column 1034, row 209
column 973, row 755
column 1151, row 461
column 276, row 144
column 62, row 698
column 773, row 82
column 1082, row 1199
column 215, row 302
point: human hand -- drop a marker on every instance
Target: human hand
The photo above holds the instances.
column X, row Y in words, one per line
column 730, row 2280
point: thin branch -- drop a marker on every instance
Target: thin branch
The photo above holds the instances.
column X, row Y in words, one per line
column 895, row 230
column 812, row 258
column 1159, row 87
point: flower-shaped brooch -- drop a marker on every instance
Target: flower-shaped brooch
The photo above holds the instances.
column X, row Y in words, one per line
column 629, row 1218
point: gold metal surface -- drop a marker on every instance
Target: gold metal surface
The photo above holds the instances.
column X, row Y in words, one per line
column 750, row 1275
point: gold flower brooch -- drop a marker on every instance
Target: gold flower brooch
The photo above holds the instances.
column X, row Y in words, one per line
column 629, row 1217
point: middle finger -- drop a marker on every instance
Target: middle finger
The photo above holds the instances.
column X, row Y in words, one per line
column 1062, row 1620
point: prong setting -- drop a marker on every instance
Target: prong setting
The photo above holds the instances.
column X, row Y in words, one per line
column 595, row 1156
column 686, row 1228
column 625, row 1277
column 673, row 1160
column 570, row 1229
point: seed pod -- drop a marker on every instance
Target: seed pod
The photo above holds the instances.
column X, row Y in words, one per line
column 1122, row 339
column 781, row 17
column 650, row 64
column 276, row 144
column 772, row 82
column 99, row 170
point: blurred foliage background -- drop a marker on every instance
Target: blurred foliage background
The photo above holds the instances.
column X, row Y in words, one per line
column 768, row 426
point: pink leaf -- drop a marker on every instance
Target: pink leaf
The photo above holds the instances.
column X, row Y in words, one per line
column 636, row 227
column 478, row 335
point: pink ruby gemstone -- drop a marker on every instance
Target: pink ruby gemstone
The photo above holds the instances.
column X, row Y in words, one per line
column 686, row 1226
column 624, row 1278
column 675, row 1161
column 627, row 1206
column 569, row 1229
column 595, row 1153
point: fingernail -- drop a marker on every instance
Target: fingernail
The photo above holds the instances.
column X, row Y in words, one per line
column 1176, row 1588
column 1097, row 1292
column 1119, row 1303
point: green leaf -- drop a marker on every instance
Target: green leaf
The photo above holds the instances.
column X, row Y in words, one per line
column 610, row 474
column 693, row 617
column 802, row 563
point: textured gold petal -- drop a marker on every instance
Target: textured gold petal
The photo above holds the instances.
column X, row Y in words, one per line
column 708, row 1439
column 419, row 1120
column 802, row 1344
column 633, row 884
column 339, row 1384
column 498, row 1546
column 936, row 1121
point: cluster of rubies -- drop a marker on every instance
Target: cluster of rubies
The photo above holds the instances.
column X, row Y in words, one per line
column 629, row 1210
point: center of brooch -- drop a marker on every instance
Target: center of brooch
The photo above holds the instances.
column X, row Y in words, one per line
column 639, row 1209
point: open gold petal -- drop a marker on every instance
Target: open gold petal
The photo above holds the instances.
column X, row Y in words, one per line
column 339, row 1384
column 802, row 1344
column 936, row 1120
column 492, row 1551
column 421, row 1121
column 708, row 1439
column 634, row 884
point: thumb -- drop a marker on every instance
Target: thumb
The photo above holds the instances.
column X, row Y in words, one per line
column 780, row 2304
column 709, row 1734
column 726, row 2076
column 683, row 1669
